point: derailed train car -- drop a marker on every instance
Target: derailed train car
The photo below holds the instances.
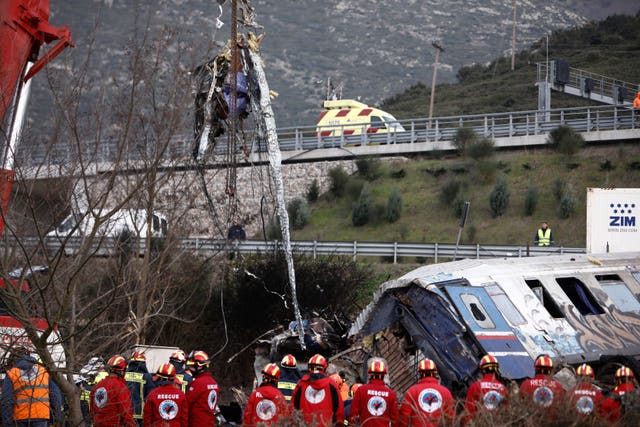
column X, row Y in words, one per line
column 574, row 308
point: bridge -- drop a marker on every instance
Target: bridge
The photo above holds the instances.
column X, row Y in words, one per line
column 303, row 143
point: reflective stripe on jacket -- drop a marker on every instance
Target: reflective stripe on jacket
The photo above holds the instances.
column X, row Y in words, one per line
column 135, row 384
column 31, row 393
column 544, row 237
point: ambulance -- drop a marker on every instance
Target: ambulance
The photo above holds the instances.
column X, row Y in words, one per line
column 351, row 117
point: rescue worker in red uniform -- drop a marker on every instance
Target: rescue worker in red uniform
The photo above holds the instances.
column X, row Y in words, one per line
column 612, row 406
column 110, row 398
column 166, row 405
column 266, row 404
column 487, row 394
column 542, row 389
column 202, row 395
column 318, row 397
column 374, row 404
column 427, row 403
column 585, row 397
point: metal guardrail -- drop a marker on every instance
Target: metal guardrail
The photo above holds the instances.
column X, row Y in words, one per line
column 305, row 138
column 395, row 250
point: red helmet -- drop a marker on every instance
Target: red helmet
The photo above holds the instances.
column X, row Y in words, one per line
column 543, row 362
column 585, row 370
column 427, row 365
column 167, row 371
column 377, row 367
column 138, row 356
column 289, row 361
column 117, row 363
column 271, row 370
column 624, row 372
column 178, row 356
column 199, row 358
column 317, row 363
column 488, row 363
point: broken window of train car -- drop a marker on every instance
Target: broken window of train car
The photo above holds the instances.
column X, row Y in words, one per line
column 618, row 292
column 505, row 305
column 478, row 311
column 545, row 298
column 377, row 122
column 580, row 296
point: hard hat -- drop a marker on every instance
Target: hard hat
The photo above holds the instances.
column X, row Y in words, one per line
column 167, row 371
column 117, row 363
column 317, row 362
column 377, row 367
column 199, row 358
column 178, row 356
column 585, row 370
column 138, row 356
column 427, row 365
column 543, row 361
column 624, row 372
column 488, row 362
column 289, row 361
column 271, row 370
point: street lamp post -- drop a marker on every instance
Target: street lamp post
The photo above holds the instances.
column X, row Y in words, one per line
column 438, row 49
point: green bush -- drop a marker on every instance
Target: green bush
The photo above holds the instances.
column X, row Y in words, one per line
column 559, row 186
column 487, row 170
column 568, row 203
column 361, row 211
column 499, row 198
column 463, row 139
column 481, row 148
column 565, row 140
column 531, row 200
column 299, row 213
column 394, row 205
column 313, row 191
column 339, row 179
column 354, row 187
column 273, row 231
column 368, row 168
column 449, row 191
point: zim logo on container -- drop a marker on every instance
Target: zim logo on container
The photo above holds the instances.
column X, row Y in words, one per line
column 621, row 215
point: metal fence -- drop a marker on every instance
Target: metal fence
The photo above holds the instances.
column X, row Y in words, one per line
column 392, row 250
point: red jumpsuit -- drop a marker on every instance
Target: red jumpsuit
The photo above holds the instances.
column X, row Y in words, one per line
column 542, row 390
column 110, row 403
column 318, row 397
column 486, row 394
column 265, row 406
column 166, row 406
column 611, row 407
column 426, row 403
column 586, row 398
column 375, row 405
column 202, row 399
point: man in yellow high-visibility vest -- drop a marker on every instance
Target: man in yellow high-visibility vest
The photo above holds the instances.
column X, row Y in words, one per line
column 544, row 236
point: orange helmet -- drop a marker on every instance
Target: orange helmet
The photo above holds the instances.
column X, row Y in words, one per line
column 355, row 388
column 198, row 358
column 585, row 370
column 427, row 365
column 543, row 362
column 377, row 367
column 178, row 356
column 117, row 363
column 624, row 372
column 289, row 361
column 271, row 370
column 317, row 363
column 488, row 363
column 167, row 371
column 138, row 356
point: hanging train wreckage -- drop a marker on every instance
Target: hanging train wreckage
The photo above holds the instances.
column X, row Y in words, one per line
column 574, row 308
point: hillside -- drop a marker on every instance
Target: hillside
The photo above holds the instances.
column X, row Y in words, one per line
column 609, row 47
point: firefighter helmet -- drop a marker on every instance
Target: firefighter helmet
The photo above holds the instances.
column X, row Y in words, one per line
column 272, row 371
column 317, row 363
column 543, row 362
column 624, row 372
column 585, row 370
column 289, row 361
column 199, row 358
column 377, row 367
column 178, row 356
column 427, row 365
column 138, row 356
column 166, row 371
column 117, row 364
column 488, row 363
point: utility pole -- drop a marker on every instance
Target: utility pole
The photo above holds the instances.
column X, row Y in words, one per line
column 513, row 38
column 438, row 49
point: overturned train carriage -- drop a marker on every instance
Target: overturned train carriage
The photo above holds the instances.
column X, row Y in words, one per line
column 574, row 308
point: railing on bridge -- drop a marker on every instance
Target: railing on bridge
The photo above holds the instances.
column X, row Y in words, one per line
column 392, row 250
column 306, row 138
